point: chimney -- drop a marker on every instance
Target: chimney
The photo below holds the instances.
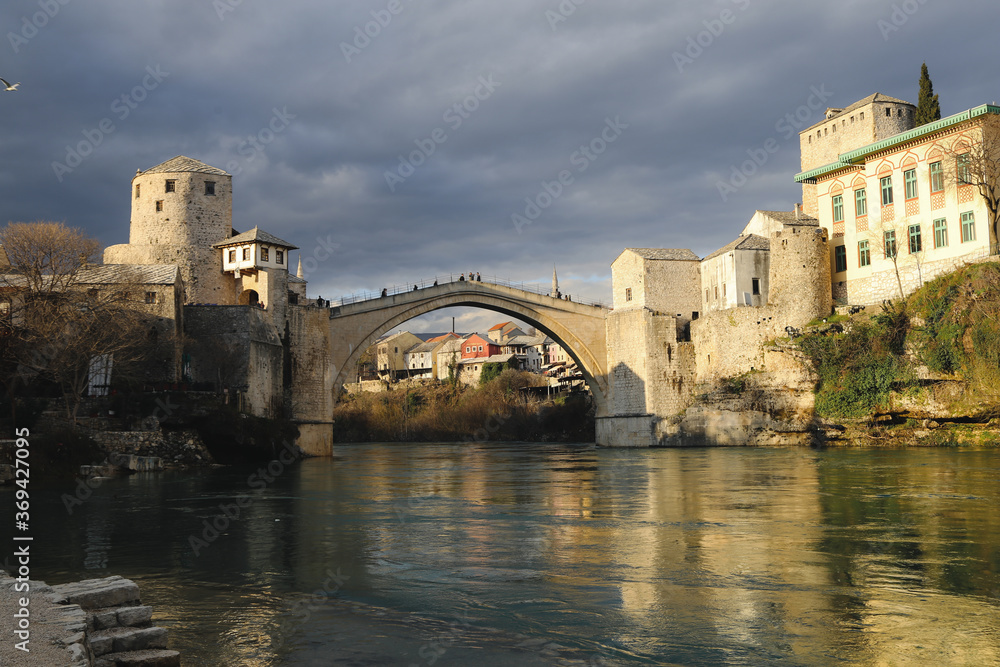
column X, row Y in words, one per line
column 798, row 207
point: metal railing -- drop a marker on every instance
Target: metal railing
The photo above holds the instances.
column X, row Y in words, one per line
column 532, row 288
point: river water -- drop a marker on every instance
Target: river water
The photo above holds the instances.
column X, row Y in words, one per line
column 540, row 554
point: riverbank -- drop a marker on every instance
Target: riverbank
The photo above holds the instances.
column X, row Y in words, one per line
column 502, row 409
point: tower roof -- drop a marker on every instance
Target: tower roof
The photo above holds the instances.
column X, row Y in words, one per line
column 255, row 235
column 184, row 164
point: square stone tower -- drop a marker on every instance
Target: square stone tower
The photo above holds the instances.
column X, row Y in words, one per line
column 872, row 119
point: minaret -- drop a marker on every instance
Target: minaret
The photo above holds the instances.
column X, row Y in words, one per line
column 298, row 274
column 555, row 283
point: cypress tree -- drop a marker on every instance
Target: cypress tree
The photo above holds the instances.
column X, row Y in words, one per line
column 928, row 109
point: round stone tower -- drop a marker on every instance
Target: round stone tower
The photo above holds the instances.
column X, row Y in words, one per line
column 179, row 209
column 800, row 273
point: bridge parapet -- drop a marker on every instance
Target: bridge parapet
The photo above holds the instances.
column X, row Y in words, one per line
column 438, row 281
column 471, row 289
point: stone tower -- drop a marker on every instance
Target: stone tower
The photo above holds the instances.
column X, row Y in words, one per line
column 872, row 119
column 179, row 209
column 800, row 273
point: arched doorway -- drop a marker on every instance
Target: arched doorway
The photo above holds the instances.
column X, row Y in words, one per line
column 249, row 297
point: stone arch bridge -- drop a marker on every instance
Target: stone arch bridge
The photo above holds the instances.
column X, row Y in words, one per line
column 350, row 329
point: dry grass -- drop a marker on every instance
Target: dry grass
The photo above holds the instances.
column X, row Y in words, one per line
column 499, row 410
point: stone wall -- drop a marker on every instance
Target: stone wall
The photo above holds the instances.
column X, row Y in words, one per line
column 729, row 342
column 772, row 406
column 311, row 376
column 625, row 431
column 652, row 374
column 626, row 342
column 178, row 447
column 240, row 345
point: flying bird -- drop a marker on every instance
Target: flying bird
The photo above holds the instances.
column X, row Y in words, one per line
column 8, row 85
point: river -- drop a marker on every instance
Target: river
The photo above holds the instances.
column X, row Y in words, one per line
column 540, row 554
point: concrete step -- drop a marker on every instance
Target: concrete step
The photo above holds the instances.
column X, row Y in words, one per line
column 153, row 658
column 120, row 640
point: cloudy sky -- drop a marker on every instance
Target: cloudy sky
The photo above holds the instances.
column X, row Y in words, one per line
column 407, row 135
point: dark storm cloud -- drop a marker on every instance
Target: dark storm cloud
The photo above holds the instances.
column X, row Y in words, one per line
column 695, row 89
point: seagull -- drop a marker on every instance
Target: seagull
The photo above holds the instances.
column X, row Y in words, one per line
column 8, row 85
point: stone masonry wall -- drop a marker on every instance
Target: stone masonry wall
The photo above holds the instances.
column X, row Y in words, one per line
column 312, row 376
column 178, row 447
column 728, row 342
column 250, row 348
column 627, row 332
column 634, row 431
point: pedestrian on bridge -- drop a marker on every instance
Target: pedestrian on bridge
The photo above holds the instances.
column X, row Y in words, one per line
column 478, row 278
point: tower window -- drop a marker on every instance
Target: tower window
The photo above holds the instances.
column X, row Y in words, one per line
column 136, row 190
column 150, row 297
column 265, row 253
column 628, row 293
column 232, row 256
column 171, row 186
column 246, row 254
column 210, row 188
column 159, row 205
column 756, row 285
column 279, row 256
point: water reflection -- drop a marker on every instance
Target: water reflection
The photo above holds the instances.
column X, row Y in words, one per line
column 544, row 554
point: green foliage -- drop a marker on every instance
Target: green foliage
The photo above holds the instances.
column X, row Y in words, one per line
column 491, row 371
column 894, row 324
column 958, row 334
column 857, row 369
column 928, row 108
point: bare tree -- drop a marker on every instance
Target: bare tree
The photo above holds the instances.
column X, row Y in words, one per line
column 977, row 164
column 57, row 324
column 884, row 241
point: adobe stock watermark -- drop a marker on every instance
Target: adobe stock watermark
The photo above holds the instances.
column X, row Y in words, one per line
column 215, row 526
column 562, row 12
column 580, row 160
column 323, row 249
column 122, row 107
column 255, row 144
column 787, row 127
column 302, row 609
column 704, row 39
column 454, row 116
column 223, row 7
column 899, row 17
column 364, row 34
column 31, row 25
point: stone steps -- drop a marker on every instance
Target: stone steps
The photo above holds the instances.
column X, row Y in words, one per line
column 121, row 640
column 148, row 658
column 119, row 629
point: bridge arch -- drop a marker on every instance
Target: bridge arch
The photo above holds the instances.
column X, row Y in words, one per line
column 578, row 328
